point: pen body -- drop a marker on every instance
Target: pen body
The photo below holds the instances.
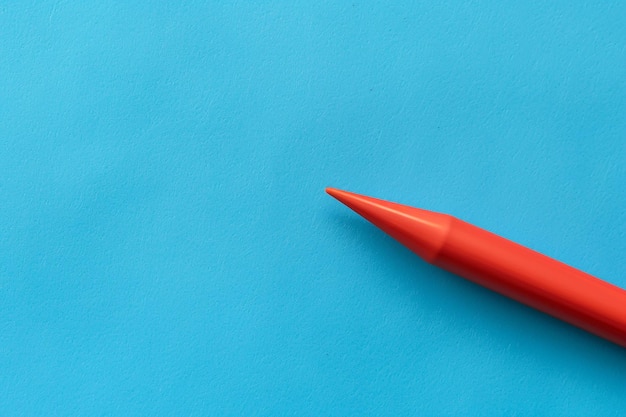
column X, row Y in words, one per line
column 534, row 279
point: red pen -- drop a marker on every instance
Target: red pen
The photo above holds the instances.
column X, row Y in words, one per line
column 500, row 265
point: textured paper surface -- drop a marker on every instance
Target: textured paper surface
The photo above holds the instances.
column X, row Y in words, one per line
column 166, row 247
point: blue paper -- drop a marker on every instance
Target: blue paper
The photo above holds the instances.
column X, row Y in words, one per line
column 166, row 246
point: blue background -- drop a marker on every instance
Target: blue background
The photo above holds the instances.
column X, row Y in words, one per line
column 166, row 247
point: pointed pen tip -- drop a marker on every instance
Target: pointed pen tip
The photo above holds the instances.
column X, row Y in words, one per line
column 348, row 198
column 332, row 191
column 422, row 231
column 344, row 197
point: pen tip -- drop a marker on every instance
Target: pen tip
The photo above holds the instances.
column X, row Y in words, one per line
column 422, row 231
column 338, row 194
